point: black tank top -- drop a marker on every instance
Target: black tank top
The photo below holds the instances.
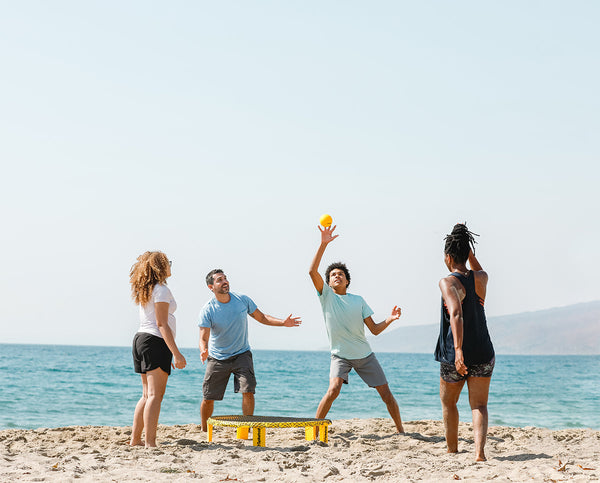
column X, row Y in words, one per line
column 477, row 345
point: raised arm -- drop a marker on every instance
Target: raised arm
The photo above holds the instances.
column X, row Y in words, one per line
column 377, row 329
column 453, row 298
column 481, row 277
column 274, row 321
column 327, row 237
column 474, row 263
column 161, row 309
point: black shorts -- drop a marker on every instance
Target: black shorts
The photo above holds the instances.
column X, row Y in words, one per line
column 449, row 373
column 217, row 375
column 150, row 352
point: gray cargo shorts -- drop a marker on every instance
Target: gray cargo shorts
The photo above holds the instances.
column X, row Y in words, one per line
column 367, row 368
column 218, row 371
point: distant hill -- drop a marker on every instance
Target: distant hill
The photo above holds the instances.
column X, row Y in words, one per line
column 574, row 329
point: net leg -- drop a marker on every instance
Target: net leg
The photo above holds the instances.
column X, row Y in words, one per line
column 209, row 433
column 242, row 432
column 309, row 433
column 323, row 433
column 258, row 436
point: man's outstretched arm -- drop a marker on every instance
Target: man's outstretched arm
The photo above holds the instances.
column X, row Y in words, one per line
column 274, row 321
column 327, row 237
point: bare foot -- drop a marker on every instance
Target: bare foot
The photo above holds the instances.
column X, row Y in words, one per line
column 452, row 451
column 480, row 457
column 136, row 443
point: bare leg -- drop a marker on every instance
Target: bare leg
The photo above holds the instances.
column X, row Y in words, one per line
column 206, row 410
column 479, row 388
column 392, row 406
column 138, row 415
column 335, row 386
column 157, row 384
column 449, row 394
column 247, row 403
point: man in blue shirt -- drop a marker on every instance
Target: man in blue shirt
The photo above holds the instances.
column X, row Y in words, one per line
column 224, row 342
column 345, row 318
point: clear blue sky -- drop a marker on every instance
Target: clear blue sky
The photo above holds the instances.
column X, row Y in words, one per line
column 219, row 132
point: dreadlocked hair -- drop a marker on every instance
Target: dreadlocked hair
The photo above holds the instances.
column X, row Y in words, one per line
column 150, row 269
column 459, row 243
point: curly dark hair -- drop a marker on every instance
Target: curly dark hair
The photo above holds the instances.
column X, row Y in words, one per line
column 459, row 243
column 340, row 266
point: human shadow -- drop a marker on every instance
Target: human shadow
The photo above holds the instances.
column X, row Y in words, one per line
column 523, row 457
column 423, row 437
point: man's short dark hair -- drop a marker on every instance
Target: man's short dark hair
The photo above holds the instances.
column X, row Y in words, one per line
column 340, row 266
column 210, row 278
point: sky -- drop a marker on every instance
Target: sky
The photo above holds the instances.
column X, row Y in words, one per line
column 219, row 132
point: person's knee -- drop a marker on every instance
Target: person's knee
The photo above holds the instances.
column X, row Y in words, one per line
column 448, row 400
column 333, row 391
column 478, row 406
column 155, row 397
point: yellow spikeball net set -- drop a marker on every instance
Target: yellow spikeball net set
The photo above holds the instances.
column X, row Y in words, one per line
column 259, row 424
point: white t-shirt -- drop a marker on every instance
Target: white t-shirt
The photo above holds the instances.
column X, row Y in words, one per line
column 161, row 293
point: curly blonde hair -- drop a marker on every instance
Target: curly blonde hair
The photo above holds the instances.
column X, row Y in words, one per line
column 151, row 268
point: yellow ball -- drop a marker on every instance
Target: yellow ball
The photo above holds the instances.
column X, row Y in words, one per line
column 326, row 220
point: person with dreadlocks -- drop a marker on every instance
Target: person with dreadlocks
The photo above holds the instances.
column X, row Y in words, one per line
column 464, row 348
column 154, row 343
column 345, row 318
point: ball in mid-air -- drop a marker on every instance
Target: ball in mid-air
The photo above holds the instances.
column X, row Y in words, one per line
column 326, row 220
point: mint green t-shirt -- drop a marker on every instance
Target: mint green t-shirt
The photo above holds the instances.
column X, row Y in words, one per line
column 344, row 320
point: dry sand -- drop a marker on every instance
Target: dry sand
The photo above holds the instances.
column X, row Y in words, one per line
column 358, row 450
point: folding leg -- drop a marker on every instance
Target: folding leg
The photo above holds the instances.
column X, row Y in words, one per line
column 209, row 433
column 309, row 433
column 323, row 433
column 242, row 432
column 258, row 436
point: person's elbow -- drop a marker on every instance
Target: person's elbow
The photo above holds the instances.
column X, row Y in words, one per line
column 456, row 314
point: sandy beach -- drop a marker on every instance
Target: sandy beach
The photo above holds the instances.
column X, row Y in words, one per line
column 358, row 450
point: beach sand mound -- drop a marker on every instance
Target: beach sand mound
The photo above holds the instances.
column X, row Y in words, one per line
column 358, row 450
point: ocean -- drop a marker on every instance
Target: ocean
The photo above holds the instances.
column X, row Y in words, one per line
column 55, row 386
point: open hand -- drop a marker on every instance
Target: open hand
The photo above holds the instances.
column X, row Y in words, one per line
column 396, row 313
column 292, row 321
column 327, row 235
column 204, row 355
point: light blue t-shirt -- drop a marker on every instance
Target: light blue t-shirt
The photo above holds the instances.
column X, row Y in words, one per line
column 228, row 324
column 344, row 319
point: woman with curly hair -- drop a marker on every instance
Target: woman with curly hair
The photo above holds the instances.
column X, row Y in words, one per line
column 154, row 343
column 464, row 348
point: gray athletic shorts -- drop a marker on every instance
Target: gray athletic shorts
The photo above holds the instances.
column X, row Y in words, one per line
column 217, row 375
column 367, row 368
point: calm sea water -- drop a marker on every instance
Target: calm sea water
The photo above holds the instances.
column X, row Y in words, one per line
column 53, row 386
